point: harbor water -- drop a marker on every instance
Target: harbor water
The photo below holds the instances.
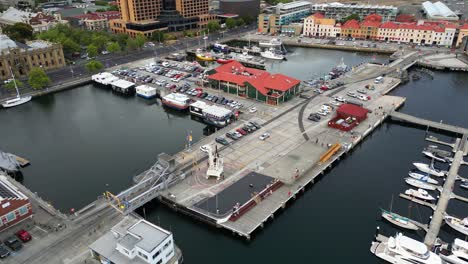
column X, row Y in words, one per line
column 85, row 141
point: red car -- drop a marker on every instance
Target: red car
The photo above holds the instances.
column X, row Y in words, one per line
column 242, row 131
column 23, row 235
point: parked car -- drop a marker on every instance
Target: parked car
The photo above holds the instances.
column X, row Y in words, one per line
column 4, row 252
column 221, row 141
column 23, row 235
column 255, row 124
column 242, row 131
column 13, row 243
column 264, row 136
column 351, row 94
column 314, row 117
column 232, row 136
column 253, row 109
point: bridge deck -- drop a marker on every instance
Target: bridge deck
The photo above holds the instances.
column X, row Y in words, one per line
column 425, row 122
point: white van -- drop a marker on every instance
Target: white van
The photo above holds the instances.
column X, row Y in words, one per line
column 378, row 79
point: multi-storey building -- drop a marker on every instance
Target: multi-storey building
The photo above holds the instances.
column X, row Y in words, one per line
column 192, row 8
column 283, row 14
column 15, row 206
column 21, row 58
column 340, row 11
column 462, row 34
column 94, row 21
column 39, row 21
column 317, row 25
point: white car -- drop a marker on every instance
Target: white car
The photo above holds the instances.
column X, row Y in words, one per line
column 351, row 94
column 340, row 99
column 204, row 148
column 335, row 103
column 264, row 136
column 253, row 109
column 237, row 134
column 322, row 112
column 363, row 97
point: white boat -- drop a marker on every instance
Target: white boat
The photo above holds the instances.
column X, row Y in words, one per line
column 404, row 250
column 429, row 169
column 420, row 184
column 146, row 91
column 18, row 100
column 434, row 156
column 422, row 177
column 420, row 193
column 176, row 101
column 275, row 42
column 271, row 54
column 398, row 220
column 459, row 253
column 464, row 185
column 461, row 225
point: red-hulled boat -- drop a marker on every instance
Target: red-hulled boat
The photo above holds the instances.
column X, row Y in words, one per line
column 224, row 61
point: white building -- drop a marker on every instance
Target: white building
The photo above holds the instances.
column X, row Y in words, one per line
column 39, row 21
column 340, row 11
column 438, row 11
column 318, row 26
column 135, row 241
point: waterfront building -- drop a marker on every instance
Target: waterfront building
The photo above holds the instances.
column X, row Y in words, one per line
column 340, row 11
column 23, row 4
column 242, row 8
column 22, row 57
column 348, row 116
column 438, row 11
column 94, row 21
column 149, row 16
column 317, row 25
column 135, row 240
column 462, row 34
column 283, row 14
column 251, row 83
column 15, row 206
column 39, row 21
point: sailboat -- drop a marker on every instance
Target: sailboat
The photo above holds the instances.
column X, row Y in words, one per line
column 397, row 219
column 19, row 100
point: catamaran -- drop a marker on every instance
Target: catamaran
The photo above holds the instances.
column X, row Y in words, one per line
column 461, row 225
column 420, row 193
column 18, row 100
column 420, row 184
column 419, row 176
column 429, row 169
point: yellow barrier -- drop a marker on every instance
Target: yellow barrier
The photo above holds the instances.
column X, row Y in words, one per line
column 330, row 152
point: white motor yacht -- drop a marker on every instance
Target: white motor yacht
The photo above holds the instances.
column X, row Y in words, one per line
column 275, row 42
column 404, row 250
column 434, row 156
column 420, row 184
column 459, row 253
column 272, row 54
column 429, row 169
column 422, row 177
column 420, row 193
column 461, row 225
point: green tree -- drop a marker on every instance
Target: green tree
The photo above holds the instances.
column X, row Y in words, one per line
column 140, row 41
column 230, row 23
column 38, row 79
column 158, row 36
column 213, row 26
column 131, row 44
column 113, row 47
column 240, row 22
column 19, row 32
column 121, row 39
column 11, row 85
column 101, row 3
column 113, row 8
column 248, row 19
column 94, row 66
column 100, row 41
column 92, row 51
column 352, row 16
column 69, row 46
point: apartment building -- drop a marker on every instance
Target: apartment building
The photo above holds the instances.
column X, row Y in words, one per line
column 192, row 8
column 340, row 11
column 283, row 14
column 317, row 25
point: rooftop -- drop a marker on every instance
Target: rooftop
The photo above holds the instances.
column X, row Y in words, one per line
column 438, row 9
column 9, row 191
column 336, row 4
column 15, row 15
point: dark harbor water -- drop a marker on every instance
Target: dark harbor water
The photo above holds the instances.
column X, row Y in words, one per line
column 85, row 141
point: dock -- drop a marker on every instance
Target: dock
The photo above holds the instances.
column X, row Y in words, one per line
column 22, row 161
column 428, row 123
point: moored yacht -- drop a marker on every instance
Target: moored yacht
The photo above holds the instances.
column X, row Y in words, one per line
column 420, row 193
column 419, row 176
column 461, row 225
column 176, row 101
column 459, row 253
column 429, row 169
column 404, row 250
column 420, row 184
column 275, row 42
column 434, row 156
column 18, row 100
column 272, row 54
column 398, row 220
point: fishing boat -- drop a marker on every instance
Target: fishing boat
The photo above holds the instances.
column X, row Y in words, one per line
column 419, row 176
column 271, row 54
column 459, row 253
column 205, row 57
column 275, row 42
column 176, row 101
column 429, row 169
column 401, row 249
column 398, row 220
column 434, row 156
column 18, row 100
column 420, row 193
column 420, row 184
column 461, row 225
column 224, row 61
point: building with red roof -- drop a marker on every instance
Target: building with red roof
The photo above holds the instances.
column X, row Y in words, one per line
column 347, row 117
column 252, row 83
column 404, row 18
column 95, row 21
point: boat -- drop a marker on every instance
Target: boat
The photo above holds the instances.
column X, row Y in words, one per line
column 420, row 193
column 434, row 156
column 271, row 54
column 398, row 220
column 217, row 116
column 429, row 169
column 217, row 47
column 464, row 185
column 401, row 249
column 461, row 225
column 419, row 176
column 459, row 253
column 123, row 87
column 420, row 184
column 256, row 49
column 176, row 101
column 196, row 108
column 146, row 91
column 224, row 61
column 104, row 79
column 275, row 42
column 439, row 152
column 18, row 100
column 205, row 57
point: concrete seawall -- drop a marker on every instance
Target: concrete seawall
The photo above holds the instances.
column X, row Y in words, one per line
column 337, row 47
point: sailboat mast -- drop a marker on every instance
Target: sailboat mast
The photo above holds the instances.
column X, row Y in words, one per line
column 14, row 82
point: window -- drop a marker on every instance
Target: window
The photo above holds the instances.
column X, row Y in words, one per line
column 156, row 254
column 23, row 210
column 11, row 216
column 142, row 255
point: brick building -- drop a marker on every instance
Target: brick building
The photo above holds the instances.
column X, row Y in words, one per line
column 14, row 205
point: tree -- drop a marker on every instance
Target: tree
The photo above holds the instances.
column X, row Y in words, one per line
column 11, row 85
column 213, row 26
column 38, row 79
column 92, row 51
column 352, row 16
column 69, row 46
column 140, row 41
column 240, row 22
column 94, row 66
column 100, row 41
column 248, row 19
column 158, row 36
column 230, row 23
column 113, row 47
column 121, row 39
column 131, row 44
column 113, row 8
column 19, row 32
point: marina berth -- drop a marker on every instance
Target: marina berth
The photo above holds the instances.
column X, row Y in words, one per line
column 146, row 91
column 123, row 87
column 217, row 116
column 197, row 108
column 176, row 101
